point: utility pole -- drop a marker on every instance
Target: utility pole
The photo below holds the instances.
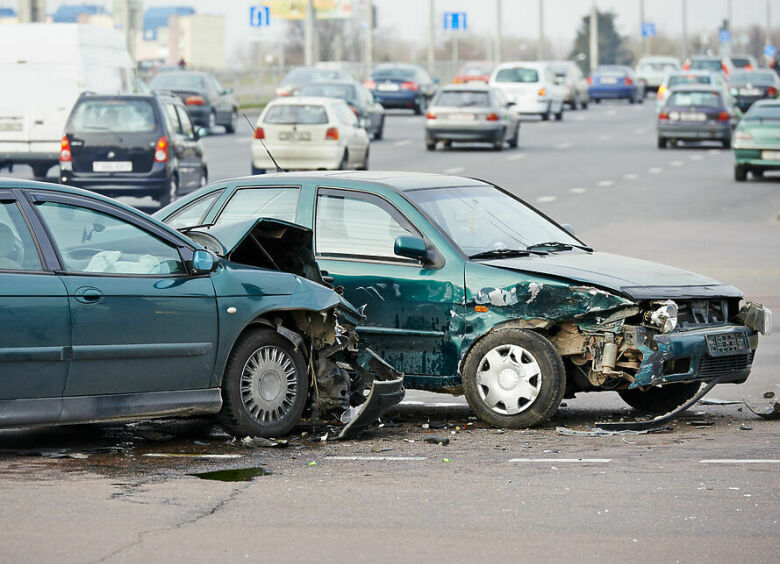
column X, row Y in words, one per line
column 497, row 41
column 308, row 34
column 369, row 37
column 454, row 36
column 540, row 47
column 31, row 11
column 768, row 25
column 642, row 26
column 594, row 36
column 431, row 36
column 685, row 29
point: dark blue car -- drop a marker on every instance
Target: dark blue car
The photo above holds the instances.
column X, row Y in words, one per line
column 616, row 82
column 401, row 86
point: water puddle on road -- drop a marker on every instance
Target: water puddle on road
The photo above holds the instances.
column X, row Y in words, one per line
column 233, row 475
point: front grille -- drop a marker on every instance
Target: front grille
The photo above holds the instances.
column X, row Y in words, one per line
column 721, row 366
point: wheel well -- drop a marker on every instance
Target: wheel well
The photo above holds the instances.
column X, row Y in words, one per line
column 541, row 326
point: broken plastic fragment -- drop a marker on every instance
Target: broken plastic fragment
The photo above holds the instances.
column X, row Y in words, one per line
column 254, row 442
column 442, row 441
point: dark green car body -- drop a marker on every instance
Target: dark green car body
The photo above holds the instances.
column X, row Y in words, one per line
column 425, row 316
column 757, row 140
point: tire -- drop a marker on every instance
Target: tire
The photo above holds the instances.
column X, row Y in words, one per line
column 265, row 386
column 230, row 127
column 204, row 178
column 169, row 195
column 498, row 144
column 40, row 170
column 662, row 142
column 364, row 164
column 632, row 99
column 573, row 105
column 641, row 99
column 559, row 115
column 660, row 400
column 543, row 380
column 726, row 142
column 515, row 140
column 430, row 143
column 379, row 133
column 584, row 105
column 740, row 173
column 344, row 161
column 212, row 124
column 548, row 114
column 757, row 172
column 597, row 100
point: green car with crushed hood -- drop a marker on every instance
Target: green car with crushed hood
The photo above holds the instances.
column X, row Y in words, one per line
column 467, row 288
column 106, row 313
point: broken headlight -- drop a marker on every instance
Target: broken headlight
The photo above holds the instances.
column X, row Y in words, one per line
column 664, row 316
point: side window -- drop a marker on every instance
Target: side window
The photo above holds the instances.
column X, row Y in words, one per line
column 17, row 249
column 254, row 203
column 348, row 226
column 173, row 118
column 193, row 214
column 186, row 122
column 95, row 242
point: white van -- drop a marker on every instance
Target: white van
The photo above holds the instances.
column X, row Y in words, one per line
column 44, row 67
column 531, row 86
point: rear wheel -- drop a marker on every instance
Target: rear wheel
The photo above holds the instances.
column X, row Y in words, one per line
column 344, row 161
column 498, row 144
column 584, row 105
column 41, row 170
column 169, row 195
column 662, row 142
column 548, row 114
column 515, row 140
column 559, row 115
column 632, row 99
column 380, row 130
column 597, row 100
column 740, row 173
column 726, row 142
column 660, row 400
column 231, row 125
column 364, row 164
column 430, row 143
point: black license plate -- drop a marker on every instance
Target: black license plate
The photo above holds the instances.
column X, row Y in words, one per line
column 727, row 344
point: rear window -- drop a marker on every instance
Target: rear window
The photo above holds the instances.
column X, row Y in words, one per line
column 342, row 91
column 607, row 71
column 463, row 99
column 707, row 64
column 763, row 111
column 296, row 113
column 740, row 62
column 689, row 79
column 176, row 81
column 707, row 99
column 127, row 116
column 517, row 75
column 398, row 73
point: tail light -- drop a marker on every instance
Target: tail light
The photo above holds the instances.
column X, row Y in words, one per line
column 628, row 81
column 430, row 115
column 354, row 110
column 771, row 91
column 724, row 116
column 542, row 92
column 259, row 133
column 370, row 84
column 590, row 80
column 161, row 150
column 283, row 91
column 661, row 92
column 458, row 80
column 687, row 64
column 65, row 155
column 332, row 133
column 195, row 100
column 663, row 116
column 743, row 136
column 492, row 117
column 412, row 86
column 725, row 69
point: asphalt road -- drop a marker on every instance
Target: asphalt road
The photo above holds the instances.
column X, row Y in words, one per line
column 704, row 490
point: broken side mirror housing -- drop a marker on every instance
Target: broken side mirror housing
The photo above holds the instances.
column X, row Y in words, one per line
column 410, row 247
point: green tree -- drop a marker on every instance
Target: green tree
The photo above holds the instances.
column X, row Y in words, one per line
column 613, row 48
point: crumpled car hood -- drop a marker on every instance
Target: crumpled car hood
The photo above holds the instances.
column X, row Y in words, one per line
column 635, row 278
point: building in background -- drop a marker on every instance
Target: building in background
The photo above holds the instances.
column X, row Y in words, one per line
column 8, row 16
column 32, row 11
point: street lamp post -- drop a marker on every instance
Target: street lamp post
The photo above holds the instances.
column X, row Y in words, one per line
column 594, row 36
column 540, row 48
column 431, row 36
column 497, row 41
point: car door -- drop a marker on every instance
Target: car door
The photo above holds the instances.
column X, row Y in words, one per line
column 34, row 321
column 412, row 310
column 192, row 152
column 180, row 146
column 140, row 322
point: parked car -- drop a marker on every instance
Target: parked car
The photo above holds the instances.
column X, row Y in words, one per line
column 750, row 86
column 757, row 140
column 531, row 86
column 697, row 113
column 132, row 146
column 468, row 288
column 653, row 70
column 299, row 76
column 474, row 71
column 575, row 87
column 682, row 78
column 49, row 65
column 469, row 113
column 744, row 62
column 397, row 85
column 370, row 114
column 721, row 65
column 304, row 133
column 207, row 101
column 106, row 313
column 615, row 82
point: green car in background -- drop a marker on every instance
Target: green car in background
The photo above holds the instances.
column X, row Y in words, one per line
column 468, row 289
column 757, row 140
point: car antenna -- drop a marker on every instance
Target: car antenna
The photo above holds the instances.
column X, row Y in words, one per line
column 278, row 168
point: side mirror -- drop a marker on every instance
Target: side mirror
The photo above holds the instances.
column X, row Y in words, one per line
column 436, row 80
column 203, row 262
column 568, row 228
column 410, row 247
column 201, row 132
column 227, row 91
column 511, row 104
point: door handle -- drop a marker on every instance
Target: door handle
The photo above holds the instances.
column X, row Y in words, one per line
column 88, row 295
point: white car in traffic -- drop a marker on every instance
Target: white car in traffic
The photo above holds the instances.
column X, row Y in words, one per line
column 309, row 133
column 532, row 86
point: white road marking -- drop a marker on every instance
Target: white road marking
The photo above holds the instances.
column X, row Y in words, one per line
column 676, row 163
column 516, row 157
column 605, row 183
column 655, row 170
column 401, row 458
column 577, row 190
column 545, row 199
column 191, row 455
column 565, row 145
column 403, row 142
column 696, row 158
column 740, row 461
column 575, row 460
column 454, row 170
column 631, row 176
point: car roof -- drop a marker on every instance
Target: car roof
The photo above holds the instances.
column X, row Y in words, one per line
column 155, row 94
column 529, row 64
column 697, row 88
column 301, row 100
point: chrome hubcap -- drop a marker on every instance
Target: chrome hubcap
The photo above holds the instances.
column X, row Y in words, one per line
column 268, row 384
column 509, row 379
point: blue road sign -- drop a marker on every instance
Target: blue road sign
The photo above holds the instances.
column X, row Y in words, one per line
column 770, row 51
column 725, row 36
column 648, row 29
column 455, row 21
column 259, row 16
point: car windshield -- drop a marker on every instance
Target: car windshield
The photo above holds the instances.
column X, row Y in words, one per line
column 751, row 78
column 517, row 74
column 177, row 81
column 707, row 64
column 286, row 114
column 401, row 73
column 741, row 62
column 303, row 74
column 462, row 99
column 342, row 91
column 482, row 219
column 688, row 79
column 695, row 98
column 126, row 116
column 759, row 112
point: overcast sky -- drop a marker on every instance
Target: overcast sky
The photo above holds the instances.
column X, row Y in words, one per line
column 409, row 18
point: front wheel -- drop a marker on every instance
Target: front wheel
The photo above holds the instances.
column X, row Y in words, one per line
column 726, row 142
column 662, row 142
column 514, row 378
column 231, row 125
column 740, row 173
column 498, row 144
column 264, row 388
column 660, row 400
column 584, row 105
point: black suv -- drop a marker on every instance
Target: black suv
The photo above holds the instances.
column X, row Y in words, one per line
column 137, row 145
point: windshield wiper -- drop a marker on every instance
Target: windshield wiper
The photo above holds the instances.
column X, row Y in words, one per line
column 559, row 246
column 492, row 253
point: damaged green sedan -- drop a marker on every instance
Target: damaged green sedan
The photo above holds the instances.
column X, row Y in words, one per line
column 468, row 289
